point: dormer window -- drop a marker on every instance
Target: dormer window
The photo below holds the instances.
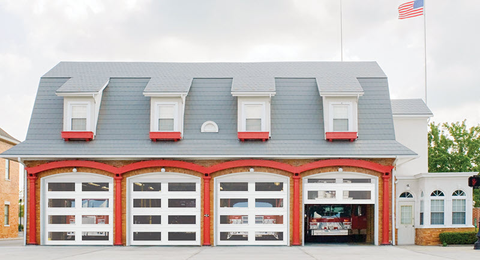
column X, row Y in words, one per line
column 81, row 108
column 341, row 117
column 166, row 117
column 78, row 120
column 78, row 116
column 254, row 117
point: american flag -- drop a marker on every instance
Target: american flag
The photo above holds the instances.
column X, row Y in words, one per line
column 410, row 9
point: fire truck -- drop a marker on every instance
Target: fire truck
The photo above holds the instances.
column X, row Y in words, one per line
column 259, row 219
column 336, row 220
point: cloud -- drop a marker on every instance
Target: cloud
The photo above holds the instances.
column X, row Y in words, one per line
column 37, row 34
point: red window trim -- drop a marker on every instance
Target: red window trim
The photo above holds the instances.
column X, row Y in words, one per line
column 77, row 135
column 253, row 136
column 166, row 136
column 351, row 136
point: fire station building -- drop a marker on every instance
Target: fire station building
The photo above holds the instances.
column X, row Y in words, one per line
column 281, row 153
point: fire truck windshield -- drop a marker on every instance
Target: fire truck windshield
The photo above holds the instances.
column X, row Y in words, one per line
column 330, row 211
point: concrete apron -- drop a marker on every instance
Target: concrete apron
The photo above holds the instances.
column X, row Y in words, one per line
column 14, row 249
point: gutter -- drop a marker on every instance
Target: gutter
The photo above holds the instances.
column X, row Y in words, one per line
column 200, row 157
column 409, row 159
column 9, row 140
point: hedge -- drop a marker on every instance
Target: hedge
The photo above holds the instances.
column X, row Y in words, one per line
column 455, row 238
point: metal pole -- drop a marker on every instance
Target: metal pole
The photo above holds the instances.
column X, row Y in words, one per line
column 341, row 31
column 425, row 43
column 476, row 246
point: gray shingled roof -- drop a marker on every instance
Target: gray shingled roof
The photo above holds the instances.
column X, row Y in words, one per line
column 410, row 107
column 296, row 118
column 247, row 77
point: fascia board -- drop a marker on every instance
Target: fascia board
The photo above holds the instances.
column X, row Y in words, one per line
column 189, row 157
column 253, row 94
column 77, row 94
column 9, row 140
column 444, row 174
column 165, row 94
column 412, row 116
column 342, row 94
column 405, row 177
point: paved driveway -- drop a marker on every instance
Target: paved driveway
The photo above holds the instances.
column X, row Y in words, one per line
column 14, row 249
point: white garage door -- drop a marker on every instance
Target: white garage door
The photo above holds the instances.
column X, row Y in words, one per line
column 339, row 188
column 78, row 209
column 164, row 209
column 252, row 209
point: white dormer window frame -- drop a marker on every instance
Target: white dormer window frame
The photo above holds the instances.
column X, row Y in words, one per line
column 157, row 116
column 349, row 116
column 261, row 116
column 349, row 131
column 70, row 115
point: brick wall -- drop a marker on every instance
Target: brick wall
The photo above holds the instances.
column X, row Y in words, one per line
column 476, row 216
column 214, row 175
column 430, row 236
column 8, row 193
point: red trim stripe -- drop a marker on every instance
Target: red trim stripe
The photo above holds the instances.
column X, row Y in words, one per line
column 208, row 170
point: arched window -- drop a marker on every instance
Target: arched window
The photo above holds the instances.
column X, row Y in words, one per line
column 406, row 195
column 421, row 208
column 459, row 207
column 209, row 127
column 437, row 208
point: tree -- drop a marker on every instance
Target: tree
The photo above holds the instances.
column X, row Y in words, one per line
column 454, row 148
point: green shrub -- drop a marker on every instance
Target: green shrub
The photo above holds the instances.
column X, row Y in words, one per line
column 456, row 238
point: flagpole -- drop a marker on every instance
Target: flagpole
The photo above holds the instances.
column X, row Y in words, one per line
column 425, row 43
column 341, row 31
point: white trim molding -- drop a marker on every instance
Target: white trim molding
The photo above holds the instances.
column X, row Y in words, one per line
column 265, row 115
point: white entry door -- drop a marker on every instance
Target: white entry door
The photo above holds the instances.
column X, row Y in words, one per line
column 164, row 209
column 406, row 227
column 252, row 209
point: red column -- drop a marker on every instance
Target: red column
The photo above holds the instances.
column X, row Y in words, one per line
column 386, row 209
column 296, row 210
column 32, row 212
column 206, row 210
column 118, row 210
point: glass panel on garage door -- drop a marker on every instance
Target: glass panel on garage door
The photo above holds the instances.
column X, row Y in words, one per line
column 164, row 209
column 252, row 209
column 78, row 209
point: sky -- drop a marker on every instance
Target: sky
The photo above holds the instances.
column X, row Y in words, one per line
column 35, row 35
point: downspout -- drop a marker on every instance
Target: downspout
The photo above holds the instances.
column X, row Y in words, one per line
column 25, row 203
column 393, row 202
column 183, row 97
